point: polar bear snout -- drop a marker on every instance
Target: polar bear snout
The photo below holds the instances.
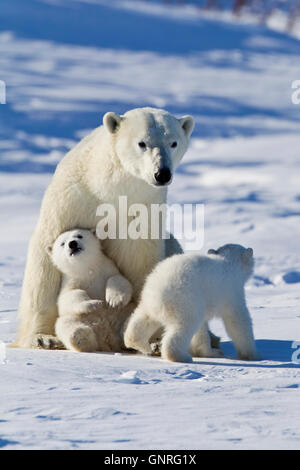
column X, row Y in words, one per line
column 74, row 247
column 163, row 176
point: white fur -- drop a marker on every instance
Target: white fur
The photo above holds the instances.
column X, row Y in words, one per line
column 185, row 291
column 91, row 283
column 106, row 164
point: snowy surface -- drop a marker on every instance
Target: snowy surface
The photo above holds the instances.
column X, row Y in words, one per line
column 65, row 63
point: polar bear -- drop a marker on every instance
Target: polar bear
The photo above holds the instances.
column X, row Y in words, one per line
column 133, row 155
column 92, row 290
column 187, row 290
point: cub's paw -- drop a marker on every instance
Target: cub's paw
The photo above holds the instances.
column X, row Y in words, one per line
column 249, row 356
column 216, row 352
column 212, row 352
column 83, row 339
column 90, row 306
column 206, row 352
column 176, row 356
column 116, row 298
column 41, row 341
column 156, row 348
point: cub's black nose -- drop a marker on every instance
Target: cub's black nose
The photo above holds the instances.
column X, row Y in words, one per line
column 163, row 176
column 73, row 245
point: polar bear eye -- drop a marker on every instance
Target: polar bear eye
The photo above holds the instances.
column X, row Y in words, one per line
column 174, row 145
column 79, row 236
column 142, row 145
column 62, row 244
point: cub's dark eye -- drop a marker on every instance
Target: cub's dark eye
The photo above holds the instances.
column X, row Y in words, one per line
column 142, row 145
column 62, row 244
column 79, row 236
column 174, row 145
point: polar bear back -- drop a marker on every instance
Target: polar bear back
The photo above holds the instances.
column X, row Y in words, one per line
column 193, row 279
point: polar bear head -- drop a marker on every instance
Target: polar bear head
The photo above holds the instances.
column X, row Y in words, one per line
column 240, row 258
column 149, row 142
column 76, row 252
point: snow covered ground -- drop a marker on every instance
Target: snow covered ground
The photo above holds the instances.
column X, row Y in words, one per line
column 67, row 62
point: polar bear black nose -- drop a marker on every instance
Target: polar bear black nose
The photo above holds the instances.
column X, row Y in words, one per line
column 163, row 176
column 73, row 245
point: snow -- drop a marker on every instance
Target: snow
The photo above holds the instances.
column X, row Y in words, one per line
column 65, row 63
column 2, row 353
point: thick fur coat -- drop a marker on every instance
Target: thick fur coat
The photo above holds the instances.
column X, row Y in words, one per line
column 185, row 291
column 133, row 155
column 93, row 297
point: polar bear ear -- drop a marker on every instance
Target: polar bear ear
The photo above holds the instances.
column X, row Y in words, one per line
column 187, row 124
column 249, row 253
column 212, row 252
column 49, row 249
column 111, row 122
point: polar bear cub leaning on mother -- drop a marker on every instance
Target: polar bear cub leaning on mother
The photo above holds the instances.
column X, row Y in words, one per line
column 92, row 289
column 185, row 291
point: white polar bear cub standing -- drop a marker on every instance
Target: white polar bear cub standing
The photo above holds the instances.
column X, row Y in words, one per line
column 89, row 279
column 185, row 291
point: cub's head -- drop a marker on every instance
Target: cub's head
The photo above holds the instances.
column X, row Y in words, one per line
column 149, row 142
column 75, row 252
column 239, row 257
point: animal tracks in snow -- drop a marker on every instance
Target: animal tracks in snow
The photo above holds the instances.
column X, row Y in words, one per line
column 137, row 377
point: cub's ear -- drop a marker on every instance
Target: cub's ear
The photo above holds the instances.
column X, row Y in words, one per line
column 212, row 252
column 49, row 249
column 187, row 124
column 249, row 253
column 111, row 122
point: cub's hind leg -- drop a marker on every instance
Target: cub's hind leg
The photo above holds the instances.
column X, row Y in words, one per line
column 139, row 330
column 201, row 345
column 76, row 335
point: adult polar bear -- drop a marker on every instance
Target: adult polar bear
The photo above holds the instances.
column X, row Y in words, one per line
column 133, row 155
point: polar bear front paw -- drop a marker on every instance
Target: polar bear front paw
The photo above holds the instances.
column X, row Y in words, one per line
column 90, row 306
column 249, row 356
column 118, row 291
column 176, row 356
column 207, row 352
column 117, row 299
column 41, row 341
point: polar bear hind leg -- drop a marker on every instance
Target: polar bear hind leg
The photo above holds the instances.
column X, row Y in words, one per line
column 139, row 330
column 201, row 345
column 76, row 335
column 175, row 344
column 181, row 322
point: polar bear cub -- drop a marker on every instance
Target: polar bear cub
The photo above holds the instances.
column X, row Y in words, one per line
column 185, row 291
column 91, row 287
